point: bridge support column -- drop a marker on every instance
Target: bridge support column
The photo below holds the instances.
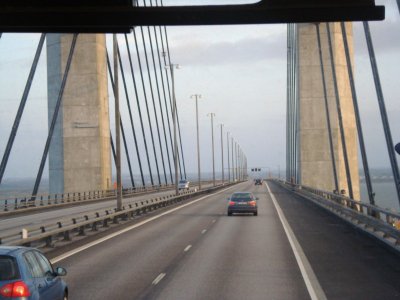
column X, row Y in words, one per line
column 315, row 159
column 79, row 156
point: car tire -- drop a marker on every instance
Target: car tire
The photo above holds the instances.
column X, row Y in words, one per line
column 229, row 214
column 256, row 213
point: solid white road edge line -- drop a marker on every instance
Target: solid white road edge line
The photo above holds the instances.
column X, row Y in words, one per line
column 94, row 243
column 159, row 278
column 313, row 286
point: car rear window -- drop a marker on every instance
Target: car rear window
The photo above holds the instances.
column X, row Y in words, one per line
column 182, row 181
column 241, row 197
column 8, row 268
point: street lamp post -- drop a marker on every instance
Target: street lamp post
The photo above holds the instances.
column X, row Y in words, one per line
column 212, row 115
column 240, row 164
column 236, row 162
column 233, row 161
column 229, row 165
column 222, row 154
column 174, row 111
column 245, row 167
column 197, row 96
column 117, row 125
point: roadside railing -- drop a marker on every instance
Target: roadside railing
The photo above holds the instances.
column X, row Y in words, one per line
column 64, row 229
column 46, row 200
column 382, row 223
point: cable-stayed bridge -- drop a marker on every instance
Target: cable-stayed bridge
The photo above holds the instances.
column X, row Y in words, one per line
column 112, row 106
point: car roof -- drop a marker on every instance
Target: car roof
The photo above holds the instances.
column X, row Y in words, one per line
column 11, row 250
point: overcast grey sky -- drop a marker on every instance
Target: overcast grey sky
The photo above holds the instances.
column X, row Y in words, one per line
column 241, row 73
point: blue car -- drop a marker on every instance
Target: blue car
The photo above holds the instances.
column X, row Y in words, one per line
column 25, row 273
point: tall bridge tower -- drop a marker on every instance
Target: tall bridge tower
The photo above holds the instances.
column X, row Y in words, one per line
column 79, row 156
column 315, row 156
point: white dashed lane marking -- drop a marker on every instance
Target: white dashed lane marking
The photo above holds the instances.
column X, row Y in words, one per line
column 158, row 278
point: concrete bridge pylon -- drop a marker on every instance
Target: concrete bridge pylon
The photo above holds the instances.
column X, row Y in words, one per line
column 79, row 156
column 315, row 157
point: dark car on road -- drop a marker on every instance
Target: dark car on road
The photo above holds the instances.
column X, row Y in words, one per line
column 25, row 273
column 242, row 202
column 258, row 182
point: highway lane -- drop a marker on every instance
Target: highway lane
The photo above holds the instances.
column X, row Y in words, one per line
column 196, row 252
column 12, row 224
column 348, row 264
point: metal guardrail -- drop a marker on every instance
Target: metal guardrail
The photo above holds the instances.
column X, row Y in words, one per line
column 46, row 200
column 8, row 204
column 63, row 229
column 378, row 222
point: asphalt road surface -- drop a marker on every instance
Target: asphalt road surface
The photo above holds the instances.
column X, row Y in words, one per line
column 197, row 252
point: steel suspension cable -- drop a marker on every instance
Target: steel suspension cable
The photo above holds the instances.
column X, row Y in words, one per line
column 382, row 108
column 139, row 109
column 21, row 107
column 120, row 122
column 55, row 116
column 113, row 149
column 327, row 112
column 168, row 111
column 357, row 116
column 152, row 93
column 340, row 117
column 177, row 115
column 159, row 97
column 130, row 114
column 146, row 101
column 127, row 154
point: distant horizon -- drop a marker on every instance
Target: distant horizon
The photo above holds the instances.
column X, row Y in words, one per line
column 217, row 173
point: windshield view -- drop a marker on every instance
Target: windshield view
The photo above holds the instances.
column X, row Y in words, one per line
column 170, row 149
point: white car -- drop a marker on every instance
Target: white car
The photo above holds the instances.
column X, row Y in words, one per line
column 183, row 185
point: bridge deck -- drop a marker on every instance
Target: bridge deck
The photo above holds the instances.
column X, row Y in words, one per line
column 198, row 252
column 11, row 224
